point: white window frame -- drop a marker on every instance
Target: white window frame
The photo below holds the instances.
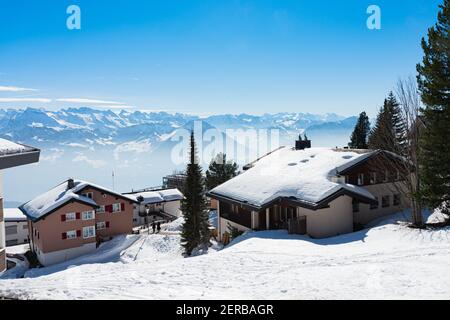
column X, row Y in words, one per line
column 119, row 206
column 71, row 214
column 89, row 195
column 85, row 213
column 386, row 176
column 373, row 177
column 360, row 179
column 71, row 234
column 88, row 232
column 101, row 225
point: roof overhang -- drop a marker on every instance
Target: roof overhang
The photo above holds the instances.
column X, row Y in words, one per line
column 383, row 153
column 324, row 203
column 36, row 219
column 113, row 194
column 19, row 159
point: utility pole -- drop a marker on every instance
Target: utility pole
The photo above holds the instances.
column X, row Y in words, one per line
column 113, row 182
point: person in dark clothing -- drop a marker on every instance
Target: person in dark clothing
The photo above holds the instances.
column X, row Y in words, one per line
column 158, row 226
column 153, row 226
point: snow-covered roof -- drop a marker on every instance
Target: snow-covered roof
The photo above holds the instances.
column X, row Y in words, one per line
column 8, row 147
column 171, row 194
column 59, row 195
column 159, row 196
column 303, row 175
column 14, row 154
column 13, row 214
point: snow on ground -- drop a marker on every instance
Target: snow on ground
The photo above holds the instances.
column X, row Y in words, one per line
column 437, row 216
column 175, row 225
column 18, row 249
column 387, row 261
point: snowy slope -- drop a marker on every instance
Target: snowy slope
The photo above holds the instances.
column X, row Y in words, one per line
column 388, row 261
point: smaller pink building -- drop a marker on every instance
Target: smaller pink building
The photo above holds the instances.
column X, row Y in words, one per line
column 73, row 218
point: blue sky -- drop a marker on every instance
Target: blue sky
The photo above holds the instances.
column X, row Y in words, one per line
column 209, row 56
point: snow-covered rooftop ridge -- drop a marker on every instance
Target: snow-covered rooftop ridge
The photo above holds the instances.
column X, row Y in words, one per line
column 13, row 214
column 304, row 175
column 158, row 196
column 58, row 196
column 9, row 147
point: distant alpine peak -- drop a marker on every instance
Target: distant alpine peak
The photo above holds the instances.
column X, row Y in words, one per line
column 73, row 126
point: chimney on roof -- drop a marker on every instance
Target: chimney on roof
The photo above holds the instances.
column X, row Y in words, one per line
column 301, row 143
column 70, row 184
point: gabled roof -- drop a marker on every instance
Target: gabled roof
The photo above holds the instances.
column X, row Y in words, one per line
column 303, row 176
column 60, row 195
column 157, row 196
column 347, row 167
column 13, row 154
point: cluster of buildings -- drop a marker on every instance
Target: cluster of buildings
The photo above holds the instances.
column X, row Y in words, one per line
column 320, row 192
column 73, row 217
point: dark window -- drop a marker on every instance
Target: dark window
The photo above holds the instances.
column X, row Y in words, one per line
column 386, row 176
column 355, row 206
column 12, row 242
column 397, row 199
column 385, row 201
column 236, row 214
column 374, row 206
column 9, row 230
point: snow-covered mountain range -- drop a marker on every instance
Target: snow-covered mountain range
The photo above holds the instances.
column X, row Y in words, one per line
column 87, row 127
column 90, row 144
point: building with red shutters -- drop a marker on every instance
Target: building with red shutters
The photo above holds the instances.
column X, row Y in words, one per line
column 73, row 218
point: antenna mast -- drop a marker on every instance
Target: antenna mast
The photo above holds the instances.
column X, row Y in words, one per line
column 113, row 182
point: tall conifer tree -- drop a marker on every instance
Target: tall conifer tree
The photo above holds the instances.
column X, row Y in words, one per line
column 434, row 85
column 388, row 133
column 220, row 171
column 195, row 232
column 358, row 139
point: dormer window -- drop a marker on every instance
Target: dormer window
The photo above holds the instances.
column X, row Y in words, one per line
column 89, row 195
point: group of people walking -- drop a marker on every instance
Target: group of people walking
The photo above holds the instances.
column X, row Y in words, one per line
column 156, row 226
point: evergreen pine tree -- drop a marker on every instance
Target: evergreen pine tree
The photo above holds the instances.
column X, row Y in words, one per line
column 220, row 171
column 388, row 133
column 195, row 231
column 358, row 139
column 434, row 85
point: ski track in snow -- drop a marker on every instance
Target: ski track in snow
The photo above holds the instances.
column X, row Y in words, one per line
column 389, row 261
